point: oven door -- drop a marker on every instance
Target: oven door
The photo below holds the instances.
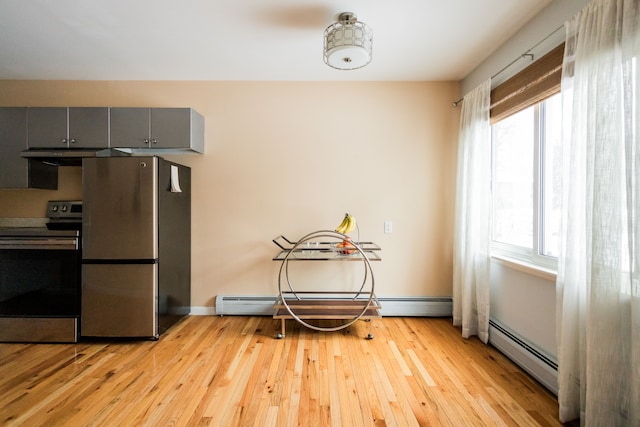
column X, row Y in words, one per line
column 39, row 289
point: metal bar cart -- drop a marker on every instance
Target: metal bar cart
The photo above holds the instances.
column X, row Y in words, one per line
column 346, row 306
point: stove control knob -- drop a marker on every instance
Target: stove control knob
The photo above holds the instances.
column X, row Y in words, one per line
column 64, row 208
column 54, row 208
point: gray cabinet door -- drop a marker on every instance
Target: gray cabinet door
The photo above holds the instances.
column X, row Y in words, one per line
column 170, row 128
column 47, row 127
column 130, row 127
column 13, row 139
column 88, row 127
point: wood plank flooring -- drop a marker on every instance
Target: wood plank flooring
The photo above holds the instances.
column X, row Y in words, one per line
column 231, row 371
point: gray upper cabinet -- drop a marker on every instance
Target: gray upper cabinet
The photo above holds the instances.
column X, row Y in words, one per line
column 73, row 127
column 166, row 129
column 130, row 128
column 16, row 172
column 89, row 127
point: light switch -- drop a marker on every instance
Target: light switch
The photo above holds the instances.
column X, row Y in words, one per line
column 388, row 227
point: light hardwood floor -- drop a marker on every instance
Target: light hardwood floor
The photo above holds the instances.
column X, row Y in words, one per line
column 228, row 371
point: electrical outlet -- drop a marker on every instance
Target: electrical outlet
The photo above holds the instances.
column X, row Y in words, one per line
column 388, row 227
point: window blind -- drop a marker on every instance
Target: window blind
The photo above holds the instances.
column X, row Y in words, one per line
column 530, row 86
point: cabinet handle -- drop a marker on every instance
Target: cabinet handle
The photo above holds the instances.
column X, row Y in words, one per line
column 72, row 140
column 146, row 140
column 63, row 140
column 154, row 141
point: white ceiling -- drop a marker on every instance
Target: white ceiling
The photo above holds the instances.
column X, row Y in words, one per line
column 248, row 39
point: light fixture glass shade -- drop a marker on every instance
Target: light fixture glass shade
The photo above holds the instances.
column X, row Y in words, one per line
column 347, row 43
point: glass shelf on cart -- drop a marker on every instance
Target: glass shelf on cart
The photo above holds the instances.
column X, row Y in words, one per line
column 326, row 254
column 316, row 250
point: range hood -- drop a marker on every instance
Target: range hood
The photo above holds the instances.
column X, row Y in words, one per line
column 70, row 157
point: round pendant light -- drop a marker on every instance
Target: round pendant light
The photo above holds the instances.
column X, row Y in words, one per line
column 347, row 43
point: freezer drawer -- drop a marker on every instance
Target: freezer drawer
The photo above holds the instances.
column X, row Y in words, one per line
column 119, row 300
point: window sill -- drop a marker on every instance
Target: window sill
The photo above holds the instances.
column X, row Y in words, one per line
column 526, row 267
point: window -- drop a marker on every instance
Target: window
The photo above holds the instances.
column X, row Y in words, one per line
column 551, row 167
column 526, row 193
column 526, row 115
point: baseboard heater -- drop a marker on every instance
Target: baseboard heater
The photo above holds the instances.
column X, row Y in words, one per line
column 534, row 361
column 229, row 305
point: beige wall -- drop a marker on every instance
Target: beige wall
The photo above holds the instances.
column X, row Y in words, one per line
column 289, row 158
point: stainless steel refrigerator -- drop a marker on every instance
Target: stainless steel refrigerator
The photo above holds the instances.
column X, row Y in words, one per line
column 136, row 246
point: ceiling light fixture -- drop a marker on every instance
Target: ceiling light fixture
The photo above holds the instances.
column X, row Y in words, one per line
column 347, row 43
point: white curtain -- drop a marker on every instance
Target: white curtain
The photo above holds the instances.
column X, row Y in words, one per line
column 472, row 223
column 598, row 285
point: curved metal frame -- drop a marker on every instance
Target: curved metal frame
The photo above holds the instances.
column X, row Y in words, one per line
column 285, row 266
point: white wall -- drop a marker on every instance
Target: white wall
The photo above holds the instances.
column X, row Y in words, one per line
column 526, row 304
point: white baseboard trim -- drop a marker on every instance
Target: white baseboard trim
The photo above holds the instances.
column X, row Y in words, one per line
column 540, row 365
column 203, row 311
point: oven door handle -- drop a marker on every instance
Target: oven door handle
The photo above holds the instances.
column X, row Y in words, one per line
column 48, row 244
